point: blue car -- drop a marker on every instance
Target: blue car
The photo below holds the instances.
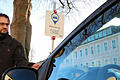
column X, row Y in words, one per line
column 90, row 52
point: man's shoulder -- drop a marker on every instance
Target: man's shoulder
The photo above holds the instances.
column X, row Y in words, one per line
column 16, row 42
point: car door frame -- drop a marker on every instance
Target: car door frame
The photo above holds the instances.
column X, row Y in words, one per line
column 44, row 70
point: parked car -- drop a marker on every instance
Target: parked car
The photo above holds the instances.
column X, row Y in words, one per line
column 90, row 52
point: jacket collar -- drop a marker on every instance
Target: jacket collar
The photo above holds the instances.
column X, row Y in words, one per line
column 5, row 38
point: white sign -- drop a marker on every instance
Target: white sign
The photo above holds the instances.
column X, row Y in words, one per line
column 54, row 24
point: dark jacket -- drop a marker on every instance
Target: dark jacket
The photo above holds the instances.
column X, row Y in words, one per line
column 11, row 53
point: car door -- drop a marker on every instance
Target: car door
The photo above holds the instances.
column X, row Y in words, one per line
column 91, row 51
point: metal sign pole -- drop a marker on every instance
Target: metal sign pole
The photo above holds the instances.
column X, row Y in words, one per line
column 54, row 7
column 53, row 37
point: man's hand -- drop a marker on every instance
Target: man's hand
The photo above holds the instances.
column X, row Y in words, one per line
column 36, row 66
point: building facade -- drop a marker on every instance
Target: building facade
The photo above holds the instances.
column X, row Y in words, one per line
column 98, row 50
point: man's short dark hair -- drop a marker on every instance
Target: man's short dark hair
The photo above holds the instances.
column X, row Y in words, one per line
column 4, row 15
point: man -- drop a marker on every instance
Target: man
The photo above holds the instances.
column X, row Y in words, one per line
column 11, row 51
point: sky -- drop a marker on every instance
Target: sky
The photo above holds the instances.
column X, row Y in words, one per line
column 41, row 44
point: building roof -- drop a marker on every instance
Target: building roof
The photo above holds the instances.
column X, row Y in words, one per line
column 102, row 33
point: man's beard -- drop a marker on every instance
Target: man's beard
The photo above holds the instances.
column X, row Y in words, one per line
column 3, row 35
column 3, row 31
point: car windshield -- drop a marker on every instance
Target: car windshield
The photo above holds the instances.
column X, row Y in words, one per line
column 94, row 53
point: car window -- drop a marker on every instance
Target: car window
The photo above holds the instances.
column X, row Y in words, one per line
column 94, row 53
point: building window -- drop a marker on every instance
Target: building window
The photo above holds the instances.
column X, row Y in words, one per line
column 89, row 39
column 113, row 44
column 105, row 62
column 98, row 48
column 76, row 54
column 86, row 64
column 93, row 64
column 96, row 36
column 100, row 34
column 109, row 31
column 86, row 52
column 81, row 54
column 114, row 60
column 92, row 37
column 92, row 50
column 104, row 33
column 105, row 46
column 99, row 63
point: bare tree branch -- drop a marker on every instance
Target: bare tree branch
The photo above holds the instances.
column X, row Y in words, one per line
column 62, row 3
column 68, row 4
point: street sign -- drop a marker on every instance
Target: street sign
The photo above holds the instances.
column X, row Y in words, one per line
column 54, row 24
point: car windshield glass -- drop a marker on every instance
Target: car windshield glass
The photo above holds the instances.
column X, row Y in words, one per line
column 94, row 53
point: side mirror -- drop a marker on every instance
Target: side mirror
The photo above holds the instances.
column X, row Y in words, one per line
column 20, row 73
column 112, row 78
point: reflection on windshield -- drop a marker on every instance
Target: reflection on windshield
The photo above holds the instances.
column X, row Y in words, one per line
column 94, row 54
column 91, row 54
